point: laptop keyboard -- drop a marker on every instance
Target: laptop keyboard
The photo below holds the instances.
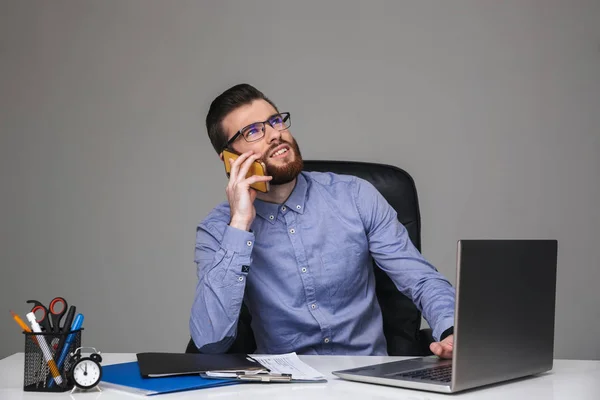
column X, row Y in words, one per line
column 442, row 373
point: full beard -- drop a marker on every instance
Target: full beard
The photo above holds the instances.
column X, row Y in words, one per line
column 283, row 174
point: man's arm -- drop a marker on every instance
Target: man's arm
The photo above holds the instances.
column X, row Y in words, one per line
column 223, row 255
column 394, row 253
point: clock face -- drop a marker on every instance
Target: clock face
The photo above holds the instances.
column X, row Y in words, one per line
column 87, row 373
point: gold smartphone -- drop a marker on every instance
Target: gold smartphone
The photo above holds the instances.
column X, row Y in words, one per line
column 257, row 168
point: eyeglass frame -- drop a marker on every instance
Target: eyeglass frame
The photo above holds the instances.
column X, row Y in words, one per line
column 239, row 133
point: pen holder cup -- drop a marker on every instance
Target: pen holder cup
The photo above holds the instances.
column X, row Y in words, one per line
column 42, row 375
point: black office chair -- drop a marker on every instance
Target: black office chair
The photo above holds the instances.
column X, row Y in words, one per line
column 401, row 318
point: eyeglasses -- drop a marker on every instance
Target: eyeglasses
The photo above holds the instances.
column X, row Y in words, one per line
column 256, row 131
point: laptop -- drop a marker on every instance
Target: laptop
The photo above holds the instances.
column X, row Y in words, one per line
column 503, row 321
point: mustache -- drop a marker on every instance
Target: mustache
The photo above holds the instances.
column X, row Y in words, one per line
column 273, row 146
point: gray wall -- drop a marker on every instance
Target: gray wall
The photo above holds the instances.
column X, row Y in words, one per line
column 493, row 106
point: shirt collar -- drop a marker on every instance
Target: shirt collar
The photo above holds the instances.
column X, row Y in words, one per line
column 295, row 203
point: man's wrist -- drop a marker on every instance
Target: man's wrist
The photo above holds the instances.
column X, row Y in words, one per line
column 240, row 224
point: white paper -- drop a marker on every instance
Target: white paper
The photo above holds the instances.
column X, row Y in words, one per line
column 288, row 364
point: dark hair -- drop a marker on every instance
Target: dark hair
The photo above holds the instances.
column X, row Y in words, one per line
column 226, row 102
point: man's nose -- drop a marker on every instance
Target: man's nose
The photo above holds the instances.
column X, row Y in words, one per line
column 271, row 133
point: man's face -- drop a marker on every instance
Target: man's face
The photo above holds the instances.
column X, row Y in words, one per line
column 277, row 149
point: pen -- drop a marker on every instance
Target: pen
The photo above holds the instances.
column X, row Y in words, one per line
column 268, row 377
column 65, row 349
column 45, row 349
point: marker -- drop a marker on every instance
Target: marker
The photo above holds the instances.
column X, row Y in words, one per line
column 45, row 349
column 65, row 350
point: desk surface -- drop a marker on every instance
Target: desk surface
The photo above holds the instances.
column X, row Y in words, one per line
column 569, row 379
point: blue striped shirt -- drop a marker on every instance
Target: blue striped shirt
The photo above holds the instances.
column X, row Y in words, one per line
column 305, row 272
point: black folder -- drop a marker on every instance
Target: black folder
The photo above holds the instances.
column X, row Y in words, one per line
column 153, row 365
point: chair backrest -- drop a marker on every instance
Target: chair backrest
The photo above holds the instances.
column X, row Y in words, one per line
column 401, row 318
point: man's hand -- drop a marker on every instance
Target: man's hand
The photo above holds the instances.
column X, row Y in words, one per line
column 239, row 193
column 444, row 348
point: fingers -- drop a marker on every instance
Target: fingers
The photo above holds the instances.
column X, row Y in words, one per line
column 441, row 349
column 239, row 171
column 258, row 178
column 239, row 193
column 240, row 167
column 436, row 348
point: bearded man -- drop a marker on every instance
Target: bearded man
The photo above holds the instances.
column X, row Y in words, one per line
column 300, row 256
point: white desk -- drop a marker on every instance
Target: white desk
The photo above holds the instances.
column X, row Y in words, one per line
column 570, row 379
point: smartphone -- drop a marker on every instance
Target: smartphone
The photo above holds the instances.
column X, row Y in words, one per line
column 257, row 168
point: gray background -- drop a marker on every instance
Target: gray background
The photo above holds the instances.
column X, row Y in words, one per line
column 492, row 106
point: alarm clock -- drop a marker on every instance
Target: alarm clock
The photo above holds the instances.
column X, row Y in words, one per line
column 86, row 372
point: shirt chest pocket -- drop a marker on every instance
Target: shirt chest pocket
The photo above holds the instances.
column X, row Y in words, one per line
column 344, row 275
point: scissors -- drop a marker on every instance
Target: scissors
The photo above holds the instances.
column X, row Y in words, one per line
column 50, row 321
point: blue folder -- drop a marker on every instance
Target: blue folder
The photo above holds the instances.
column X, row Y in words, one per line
column 128, row 377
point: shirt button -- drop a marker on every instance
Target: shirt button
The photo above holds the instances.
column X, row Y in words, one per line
column 283, row 208
column 298, row 207
column 241, row 278
column 249, row 243
column 303, row 269
column 271, row 217
column 313, row 306
column 326, row 340
column 292, row 230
